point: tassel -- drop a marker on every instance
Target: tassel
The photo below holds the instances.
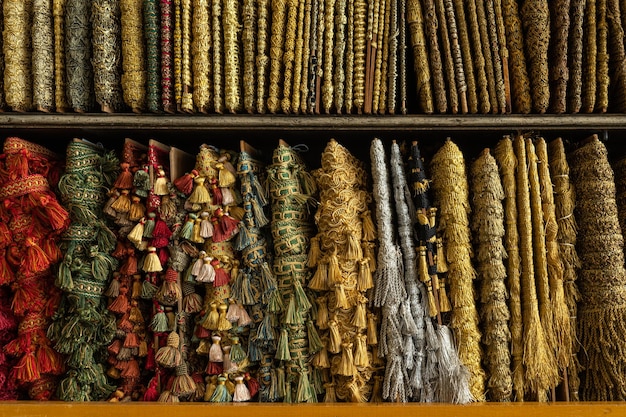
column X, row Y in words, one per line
column 340, row 295
column 244, row 318
column 243, row 239
column 223, row 324
column 226, row 178
column 369, row 230
column 331, row 393
column 216, row 192
column 314, row 252
column 346, row 365
column 359, row 320
column 302, row 301
column 26, row 370
column 151, row 262
column 252, row 383
column 322, row 312
column 192, row 303
column 200, row 194
column 260, row 218
column 149, row 226
column 135, row 313
column 221, row 276
column 206, row 228
column 237, row 353
column 37, row 261
column 371, row 329
column 195, row 231
column 320, row 360
column 218, row 232
column 148, row 290
column 215, row 352
column 206, row 272
column 241, row 391
column 432, row 305
column 368, row 252
column 304, row 393
column 364, row 279
column 131, row 341
column 151, row 393
column 114, row 287
column 212, row 318
column 319, row 282
column 334, row 273
column 184, row 184
column 275, row 304
column 354, row 251
column 160, row 184
column 282, row 351
column 136, row 234
column 228, row 199
column 183, row 385
column 170, row 292
column 125, row 178
column 228, row 225
column 56, row 216
column 442, row 265
column 5, row 235
column 161, row 234
column 169, row 356
column 7, row 276
column 221, row 394
column 141, row 182
column 122, row 203
column 233, row 312
column 444, row 302
column 360, row 355
column 120, row 304
column 197, row 265
column 130, row 266
column 136, row 289
column 158, row 324
column 49, row 361
column 187, row 230
column 167, row 397
column 335, row 337
column 423, row 264
column 168, row 208
column 315, row 343
column 293, row 316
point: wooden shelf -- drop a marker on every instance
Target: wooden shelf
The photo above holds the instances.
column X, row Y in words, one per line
column 58, row 409
column 349, row 123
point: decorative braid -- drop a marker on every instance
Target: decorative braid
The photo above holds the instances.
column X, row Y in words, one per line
column 107, row 59
column 43, row 56
column 134, row 55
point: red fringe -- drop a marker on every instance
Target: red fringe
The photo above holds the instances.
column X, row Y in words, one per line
column 164, row 255
column 26, row 369
column 120, row 250
column 218, row 232
column 53, row 214
column 130, row 266
column 150, row 364
column 161, row 234
column 36, row 261
column 214, row 368
column 131, row 370
column 52, row 251
column 53, row 301
column 49, row 361
column 151, row 393
column 124, row 323
column 216, row 192
column 26, row 298
column 114, row 347
column 5, row 235
column 229, row 225
column 6, row 273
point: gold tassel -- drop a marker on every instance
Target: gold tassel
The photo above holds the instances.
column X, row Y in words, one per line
column 340, row 294
column 442, row 264
column 319, row 282
column 369, row 230
column 334, row 273
column 354, row 251
column 152, row 263
column 372, row 338
column 359, row 320
column 322, row 312
column 360, row 355
column 444, row 302
column 223, row 324
column 314, row 252
column 335, row 338
column 364, row 280
column 346, row 364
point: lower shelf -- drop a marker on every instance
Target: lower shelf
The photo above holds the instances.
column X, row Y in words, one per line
column 58, row 409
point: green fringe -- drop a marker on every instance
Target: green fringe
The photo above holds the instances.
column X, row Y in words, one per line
column 302, row 301
column 282, row 353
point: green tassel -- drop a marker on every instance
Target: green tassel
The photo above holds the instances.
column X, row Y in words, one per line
column 64, row 276
column 242, row 240
column 105, row 238
column 246, row 292
column 293, row 315
column 237, row 354
column 266, row 328
column 102, row 266
column 302, row 301
column 221, row 394
column 159, row 322
column 304, row 392
column 148, row 290
column 282, row 353
column 317, row 383
column 280, row 382
column 267, row 278
column 315, row 343
column 288, row 396
column 275, row 302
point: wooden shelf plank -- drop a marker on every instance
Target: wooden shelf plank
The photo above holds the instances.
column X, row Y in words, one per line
column 131, row 122
column 100, row 409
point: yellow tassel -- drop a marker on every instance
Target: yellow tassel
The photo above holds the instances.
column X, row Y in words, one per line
column 369, row 230
column 212, row 319
column 334, row 273
column 322, row 313
column 319, row 282
column 203, row 347
column 364, row 280
column 422, row 219
column 236, row 212
column 136, row 234
column 346, row 364
column 360, row 355
column 354, row 250
column 432, row 305
column 359, row 320
column 314, row 252
column 320, row 360
column 137, row 209
column 122, row 203
column 223, row 324
column 340, row 295
column 444, row 302
column 335, row 338
column 225, row 177
column 195, row 232
column 432, row 213
column 372, row 337
column 152, row 262
column 423, row 264
column 368, row 252
column 142, row 350
column 211, row 386
column 442, row 264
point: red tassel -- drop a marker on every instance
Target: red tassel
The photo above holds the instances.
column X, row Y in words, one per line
column 228, row 224
column 124, row 323
column 6, row 273
column 218, row 232
column 120, row 250
column 201, row 332
column 50, row 361
column 214, row 368
column 52, row 251
column 5, row 235
column 17, row 163
column 164, row 255
column 54, row 214
column 161, row 234
column 26, row 297
column 130, row 266
column 131, row 340
column 216, row 192
column 253, row 385
column 26, row 369
column 52, row 303
column 151, row 393
column 37, row 261
column 221, row 276
column 171, row 275
column 125, row 179
column 114, row 347
column 184, row 184
column 150, row 364
column 120, row 304
column 131, row 370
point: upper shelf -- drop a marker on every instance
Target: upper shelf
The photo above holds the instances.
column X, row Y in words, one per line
column 348, row 123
